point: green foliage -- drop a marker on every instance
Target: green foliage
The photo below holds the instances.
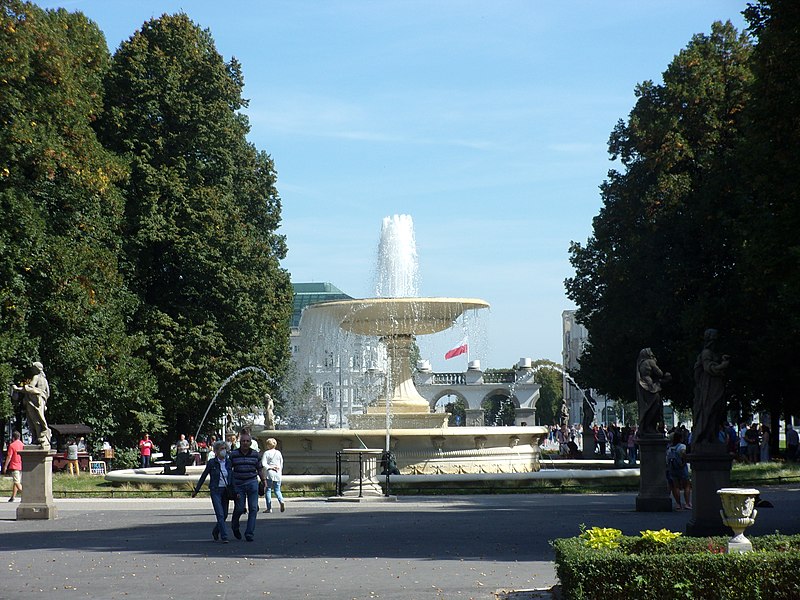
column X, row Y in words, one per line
column 62, row 299
column 126, row 458
column 139, row 259
column 769, row 268
column 551, row 394
column 498, row 410
column 200, row 220
column 699, row 227
column 683, row 568
column 456, row 409
column 660, row 265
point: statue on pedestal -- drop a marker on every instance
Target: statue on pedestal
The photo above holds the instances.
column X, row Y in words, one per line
column 709, row 408
column 649, row 379
column 34, row 395
column 564, row 414
column 589, row 410
column 269, row 413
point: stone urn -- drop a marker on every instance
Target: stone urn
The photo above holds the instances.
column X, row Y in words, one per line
column 738, row 512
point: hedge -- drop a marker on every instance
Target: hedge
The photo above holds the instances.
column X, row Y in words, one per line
column 686, row 568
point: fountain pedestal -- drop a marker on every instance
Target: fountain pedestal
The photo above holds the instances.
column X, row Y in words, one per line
column 711, row 471
column 588, row 444
column 653, row 493
column 408, row 409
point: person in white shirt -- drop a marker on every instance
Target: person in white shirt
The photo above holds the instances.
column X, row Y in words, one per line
column 272, row 461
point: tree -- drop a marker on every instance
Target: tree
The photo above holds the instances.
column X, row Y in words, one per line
column 769, row 270
column 201, row 214
column 659, row 267
column 62, row 299
column 551, row 394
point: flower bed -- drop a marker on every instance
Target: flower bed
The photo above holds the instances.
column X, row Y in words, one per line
column 602, row 564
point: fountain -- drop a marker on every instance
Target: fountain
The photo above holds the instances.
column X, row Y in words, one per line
column 423, row 445
column 230, row 378
column 402, row 420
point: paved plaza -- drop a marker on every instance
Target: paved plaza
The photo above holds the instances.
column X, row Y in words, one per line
column 414, row 548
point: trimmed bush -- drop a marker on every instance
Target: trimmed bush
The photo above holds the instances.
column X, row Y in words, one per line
column 683, row 568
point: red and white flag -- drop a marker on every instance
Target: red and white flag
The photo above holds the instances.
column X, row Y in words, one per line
column 458, row 350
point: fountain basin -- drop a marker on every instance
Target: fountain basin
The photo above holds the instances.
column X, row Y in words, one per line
column 439, row 451
column 397, row 316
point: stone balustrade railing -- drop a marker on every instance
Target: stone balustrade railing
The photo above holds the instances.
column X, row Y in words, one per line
column 500, row 377
column 449, row 379
column 492, row 377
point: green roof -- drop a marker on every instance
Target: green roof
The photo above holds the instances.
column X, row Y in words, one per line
column 306, row 294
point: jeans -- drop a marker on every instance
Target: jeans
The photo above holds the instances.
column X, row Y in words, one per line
column 247, row 492
column 273, row 486
column 220, row 511
column 145, row 461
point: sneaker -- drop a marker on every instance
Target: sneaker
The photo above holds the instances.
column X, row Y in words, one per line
column 215, row 533
column 283, row 507
column 248, row 538
column 267, row 510
column 236, row 533
column 11, row 499
column 225, row 541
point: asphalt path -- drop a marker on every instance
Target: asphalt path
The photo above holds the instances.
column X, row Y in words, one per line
column 413, row 548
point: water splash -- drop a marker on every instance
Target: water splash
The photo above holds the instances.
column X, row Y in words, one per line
column 397, row 268
column 230, row 378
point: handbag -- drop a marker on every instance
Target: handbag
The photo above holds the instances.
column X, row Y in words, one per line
column 262, row 488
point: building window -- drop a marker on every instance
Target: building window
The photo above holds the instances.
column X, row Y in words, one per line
column 327, row 392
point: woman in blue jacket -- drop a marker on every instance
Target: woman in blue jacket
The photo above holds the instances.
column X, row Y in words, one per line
column 220, row 469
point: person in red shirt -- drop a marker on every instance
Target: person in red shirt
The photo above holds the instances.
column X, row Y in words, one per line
column 146, row 448
column 13, row 465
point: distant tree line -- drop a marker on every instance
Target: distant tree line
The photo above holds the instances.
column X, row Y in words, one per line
column 700, row 220
column 139, row 253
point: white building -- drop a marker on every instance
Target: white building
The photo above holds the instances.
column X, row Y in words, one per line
column 346, row 372
column 575, row 337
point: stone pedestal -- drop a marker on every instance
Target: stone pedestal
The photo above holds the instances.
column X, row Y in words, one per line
column 37, row 484
column 588, row 444
column 711, row 471
column 654, row 495
column 475, row 417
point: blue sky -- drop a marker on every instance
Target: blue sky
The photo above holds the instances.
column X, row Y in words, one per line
column 486, row 121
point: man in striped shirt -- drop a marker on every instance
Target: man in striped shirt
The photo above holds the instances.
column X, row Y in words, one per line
column 247, row 470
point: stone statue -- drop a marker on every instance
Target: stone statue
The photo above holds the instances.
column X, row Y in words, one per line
column 564, row 417
column 589, row 410
column 648, row 392
column 709, row 391
column 269, row 414
column 34, row 395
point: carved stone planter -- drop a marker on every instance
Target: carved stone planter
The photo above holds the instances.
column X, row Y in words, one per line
column 738, row 512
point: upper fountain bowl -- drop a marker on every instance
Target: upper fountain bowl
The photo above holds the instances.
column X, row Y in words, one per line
column 397, row 316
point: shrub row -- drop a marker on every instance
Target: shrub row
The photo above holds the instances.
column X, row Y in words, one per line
column 685, row 568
